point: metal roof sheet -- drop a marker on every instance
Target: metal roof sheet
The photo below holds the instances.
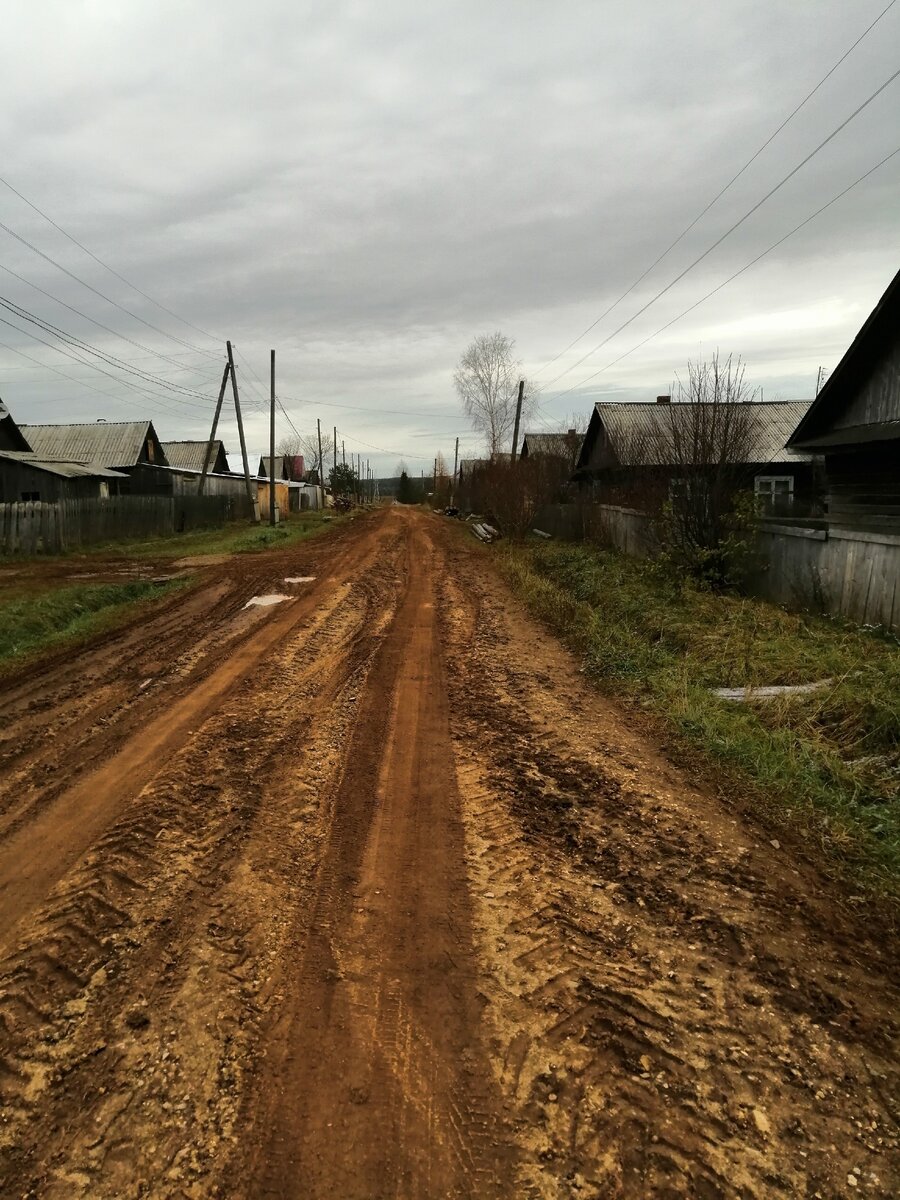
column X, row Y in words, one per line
column 191, row 455
column 67, row 470
column 113, row 443
column 642, row 423
column 561, row 444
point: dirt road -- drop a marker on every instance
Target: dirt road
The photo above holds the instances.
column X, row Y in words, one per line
column 366, row 894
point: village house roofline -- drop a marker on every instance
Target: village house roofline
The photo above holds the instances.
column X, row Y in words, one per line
column 631, row 424
column 815, row 431
column 115, row 444
column 192, row 454
column 10, row 431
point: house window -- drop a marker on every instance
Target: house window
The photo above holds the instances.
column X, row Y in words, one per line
column 149, row 449
column 776, row 492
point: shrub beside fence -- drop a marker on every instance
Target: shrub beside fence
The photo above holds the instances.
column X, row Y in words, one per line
column 37, row 527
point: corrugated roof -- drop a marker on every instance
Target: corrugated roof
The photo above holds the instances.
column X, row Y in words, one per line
column 643, row 424
column 113, row 443
column 67, row 470
column 468, row 465
column 559, row 444
column 191, row 455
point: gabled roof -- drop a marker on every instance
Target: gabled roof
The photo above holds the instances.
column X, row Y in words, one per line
column 468, row 465
column 111, row 443
column 265, row 469
column 66, row 470
column 559, row 445
column 817, row 429
column 11, row 436
column 190, row 456
column 636, row 433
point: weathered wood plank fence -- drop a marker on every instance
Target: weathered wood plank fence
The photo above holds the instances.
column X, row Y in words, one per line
column 854, row 573
column 36, row 527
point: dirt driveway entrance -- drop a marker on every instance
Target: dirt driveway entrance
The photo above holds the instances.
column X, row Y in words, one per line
column 364, row 893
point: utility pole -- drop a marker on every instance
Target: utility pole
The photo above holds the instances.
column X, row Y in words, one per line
column 343, row 452
column 321, row 464
column 334, row 447
column 251, row 496
column 212, row 433
column 272, row 440
column 455, row 465
column 518, row 419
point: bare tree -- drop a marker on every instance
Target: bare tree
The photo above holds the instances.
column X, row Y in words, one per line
column 308, row 445
column 705, row 441
column 487, row 382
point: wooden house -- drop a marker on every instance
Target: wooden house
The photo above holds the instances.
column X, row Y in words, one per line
column 190, row 456
column 855, row 423
column 287, row 466
column 26, row 473
column 636, row 453
column 25, row 476
column 129, row 447
column 564, row 446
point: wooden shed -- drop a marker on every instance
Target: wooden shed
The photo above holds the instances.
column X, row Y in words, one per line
column 25, row 476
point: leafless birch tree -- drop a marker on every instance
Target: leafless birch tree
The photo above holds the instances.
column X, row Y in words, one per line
column 487, row 382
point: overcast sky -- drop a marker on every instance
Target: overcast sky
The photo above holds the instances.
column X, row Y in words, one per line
column 366, row 187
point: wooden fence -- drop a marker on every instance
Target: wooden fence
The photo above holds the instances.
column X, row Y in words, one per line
column 851, row 572
column 36, row 527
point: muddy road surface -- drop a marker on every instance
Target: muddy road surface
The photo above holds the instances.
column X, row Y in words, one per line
column 365, row 894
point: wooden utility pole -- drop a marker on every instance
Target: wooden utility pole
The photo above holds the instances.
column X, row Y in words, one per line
column 334, row 447
column 272, row 440
column 343, row 452
column 455, row 465
column 251, row 495
column 518, row 419
column 207, row 462
column 321, row 464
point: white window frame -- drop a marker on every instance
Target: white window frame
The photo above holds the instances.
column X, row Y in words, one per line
column 773, row 479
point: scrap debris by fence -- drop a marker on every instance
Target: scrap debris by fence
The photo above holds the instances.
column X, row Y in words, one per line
column 38, row 527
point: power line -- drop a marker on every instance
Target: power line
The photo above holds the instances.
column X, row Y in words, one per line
column 93, row 320
column 729, row 231
column 718, row 196
column 102, row 295
column 24, row 315
column 47, row 367
column 107, row 267
column 59, row 350
column 731, row 278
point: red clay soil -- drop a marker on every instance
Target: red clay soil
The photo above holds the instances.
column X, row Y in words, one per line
column 367, row 894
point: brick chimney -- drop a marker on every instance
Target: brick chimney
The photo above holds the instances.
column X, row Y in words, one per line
column 663, row 399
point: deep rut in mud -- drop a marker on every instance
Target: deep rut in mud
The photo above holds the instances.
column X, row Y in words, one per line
column 368, row 895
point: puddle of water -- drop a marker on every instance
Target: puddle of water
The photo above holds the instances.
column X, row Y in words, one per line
column 299, row 578
column 266, row 601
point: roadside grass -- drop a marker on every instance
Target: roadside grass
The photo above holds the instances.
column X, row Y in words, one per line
column 826, row 764
column 32, row 624
column 236, row 538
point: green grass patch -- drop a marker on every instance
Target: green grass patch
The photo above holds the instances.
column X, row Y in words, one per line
column 826, row 763
column 34, row 623
column 237, row 538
